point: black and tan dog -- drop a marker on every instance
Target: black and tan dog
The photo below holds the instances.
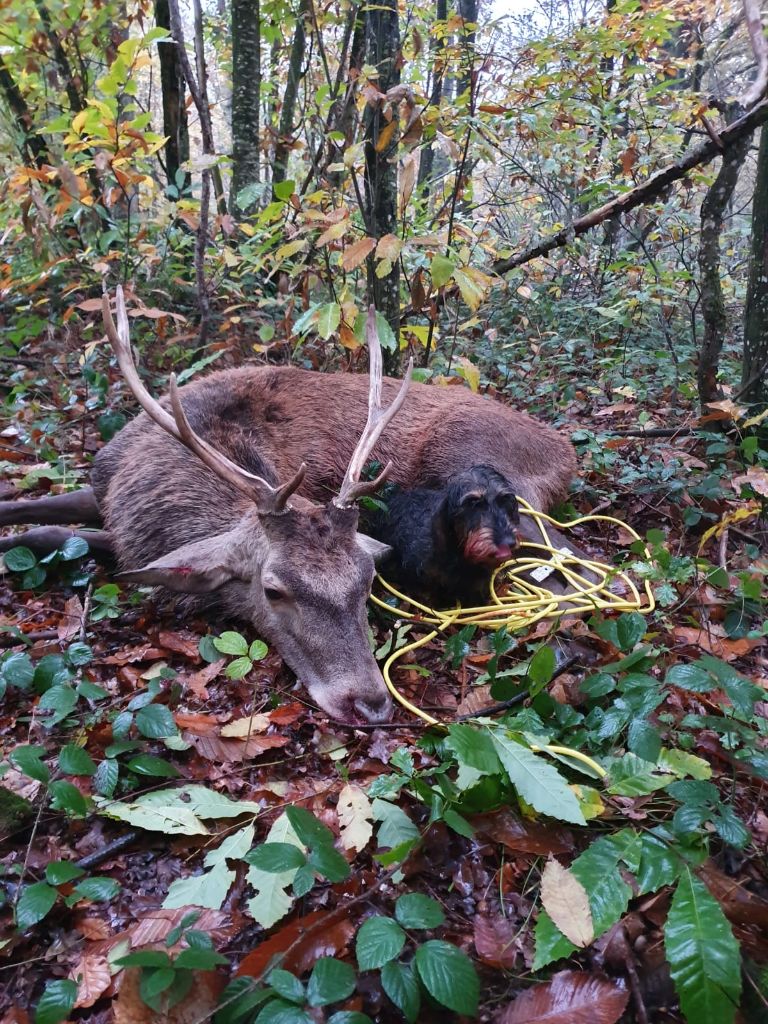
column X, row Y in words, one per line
column 447, row 541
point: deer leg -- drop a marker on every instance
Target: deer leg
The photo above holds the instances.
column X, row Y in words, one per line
column 45, row 539
column 75, row 507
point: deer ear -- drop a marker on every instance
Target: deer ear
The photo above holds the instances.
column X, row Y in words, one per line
column 372, row 547
column 196, row 568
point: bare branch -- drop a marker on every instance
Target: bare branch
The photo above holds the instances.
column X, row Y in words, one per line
column 759, row 43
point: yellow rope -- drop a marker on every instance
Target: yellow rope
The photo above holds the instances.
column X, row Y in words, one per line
column 524, row 603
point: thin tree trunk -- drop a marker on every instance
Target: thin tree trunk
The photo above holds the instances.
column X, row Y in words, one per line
column 246, row 100
column 383, row 48
column 202, row 82
column 754, row 372
column 288, row 110
column 427, row 159
column 175, row 124
column 32, row 146
column 712, row 303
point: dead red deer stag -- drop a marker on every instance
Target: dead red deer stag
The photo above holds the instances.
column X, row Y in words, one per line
column 190, row 498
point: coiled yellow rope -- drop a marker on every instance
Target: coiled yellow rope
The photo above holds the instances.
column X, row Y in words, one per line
column 524, row 603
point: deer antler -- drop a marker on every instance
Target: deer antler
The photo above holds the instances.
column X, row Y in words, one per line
column 352, row 486
column 268, row 498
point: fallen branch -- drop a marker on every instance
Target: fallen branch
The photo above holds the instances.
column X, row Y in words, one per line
column 645, row 192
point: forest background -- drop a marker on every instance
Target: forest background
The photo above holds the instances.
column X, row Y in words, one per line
column 565, row 207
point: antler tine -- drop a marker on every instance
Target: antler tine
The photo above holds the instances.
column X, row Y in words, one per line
column 268, row 498
column 378, row 419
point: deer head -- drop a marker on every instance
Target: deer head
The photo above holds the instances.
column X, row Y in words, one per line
column 300, row 573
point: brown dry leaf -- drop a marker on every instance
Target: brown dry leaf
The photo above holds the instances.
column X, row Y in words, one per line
column 93, row 978
column 388, row 247
column 93, row 928
column 182, row 643
column 199, row 724
column 287, row 714
column 198, row 681
column 199, row 1004
column 15, row 1015
column 511, row 831
column 407, row 181
column 332, row 233
column 571, row 997
column 138, row 652
column 385, row 136
column 355, row 254
column 628, row 159
column 69, row 626
column 240, row 728
column 565, row 900
column 712, row 643
column 354, row 810
column 324, row 934
column 214, row 748
column 757, row 479
column 496, row 941
column 156, row 925
column 727, row 409
column 739, row 905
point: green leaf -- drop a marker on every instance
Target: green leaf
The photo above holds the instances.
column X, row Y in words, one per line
column 148, row 764
column 19, row 559
column 145, row 958
column 379, row 940
column 231, row 643
column 258, row 650
column 284, row 189
column 34, row 903
column 659, row 863
column 330, row 982
column 73, row 760
column 65, row 796
column 154, row 982
column 329, row 863
column 107, row 774
column 303, row 880
column 414, row 910
column 278, row 1011
column 99, row 889
column 239, row 668
column 79, row 654
column 448, row 975
column 287, row 985
column 199, row 959
column 644, row 739
column 155, row 722
column 17, row 669
column 309, row 830
column 349, row 1017
column 702, row 953
column 473, row 746
column 630, row 630
column 60, row 699
column 400, row 984
column 58, row 872
column 538, row 783
column 72, row 548
column 396, row 827
column 441, row 270
column 328, row 319
column 630, row 775
column 690, row 677
column 27, row 760
column 276, row 857
column 542, row 666
column 56, row 1002
column 208, row 651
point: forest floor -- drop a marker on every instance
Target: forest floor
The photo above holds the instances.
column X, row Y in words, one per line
column 106, row 694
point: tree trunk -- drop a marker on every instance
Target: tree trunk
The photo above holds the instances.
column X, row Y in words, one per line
column 712, row 304
column 32, row 146
column 427, row 159
column 175, row 124
column 285, row 127
column 246, row 100
column 382, row 33
column 754, row 373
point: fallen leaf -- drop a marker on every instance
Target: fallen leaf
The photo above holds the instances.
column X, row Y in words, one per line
column 155, row 927
column 182, row 643
column 198, row 681
column 224, row 751
column 69, row 626
column 511, row 831
column 243, row 727
column 93, row 928
column 93, row 978
column 329, row 939
column 571, row 997
column 755, row 477
column 565, row 900
column 710, row 641
column 199, row 1003
column 354, row 810
column 496, row 941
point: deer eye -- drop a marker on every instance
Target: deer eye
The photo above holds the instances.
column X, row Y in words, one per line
column 273, row 594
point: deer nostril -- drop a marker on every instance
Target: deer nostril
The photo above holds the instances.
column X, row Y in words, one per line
column 374, row 709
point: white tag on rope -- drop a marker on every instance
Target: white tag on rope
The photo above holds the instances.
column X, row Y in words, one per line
column 542, row 572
